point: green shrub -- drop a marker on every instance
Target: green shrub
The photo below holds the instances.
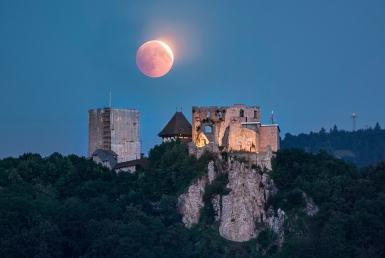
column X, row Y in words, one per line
column 218, row 186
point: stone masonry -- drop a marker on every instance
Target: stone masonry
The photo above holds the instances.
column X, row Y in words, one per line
column 235, row 128
column 115, row 129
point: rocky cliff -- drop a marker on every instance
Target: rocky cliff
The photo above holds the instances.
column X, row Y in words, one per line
column 242, row 213
column 191, row 202
column 244, row 205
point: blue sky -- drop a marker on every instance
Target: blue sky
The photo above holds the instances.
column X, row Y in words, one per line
column 313, row 62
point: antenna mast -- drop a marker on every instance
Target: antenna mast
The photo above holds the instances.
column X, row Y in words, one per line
column 354, row 121
column 272, row 120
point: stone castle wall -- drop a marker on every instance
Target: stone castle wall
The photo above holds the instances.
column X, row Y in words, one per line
column 115, row 129
column 269, row 136
column 125, row 134
column 99, row 134
column 237, row 128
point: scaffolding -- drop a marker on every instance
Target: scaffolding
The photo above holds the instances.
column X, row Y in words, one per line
column 107, row 129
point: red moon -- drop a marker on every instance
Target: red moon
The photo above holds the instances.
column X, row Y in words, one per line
column 154, row 58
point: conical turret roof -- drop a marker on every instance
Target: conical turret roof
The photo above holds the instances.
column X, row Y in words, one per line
column 178, row 125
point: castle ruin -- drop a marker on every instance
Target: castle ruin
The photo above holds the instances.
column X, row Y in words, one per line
column 235, row 128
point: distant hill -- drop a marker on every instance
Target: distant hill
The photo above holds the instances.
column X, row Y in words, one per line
column 362, row 147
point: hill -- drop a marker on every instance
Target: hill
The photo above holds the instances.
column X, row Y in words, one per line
column 71, row 207
column 362, row 147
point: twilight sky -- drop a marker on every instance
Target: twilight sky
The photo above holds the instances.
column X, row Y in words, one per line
column 313, row 62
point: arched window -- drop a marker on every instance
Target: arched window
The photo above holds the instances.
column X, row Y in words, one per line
column 208, row 129
column 241, row 113
column 208, row 114
column 220, row 114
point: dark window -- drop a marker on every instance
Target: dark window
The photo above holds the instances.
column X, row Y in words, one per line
column 241, row 113
column 255, row 113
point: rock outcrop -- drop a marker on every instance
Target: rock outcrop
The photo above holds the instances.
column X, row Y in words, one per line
column 242, row 212
column 276, row 223
column 191, row 202
column 268, row 186
column 311, row 209
column 211, row 172
column 238, row 211
column 244, row 205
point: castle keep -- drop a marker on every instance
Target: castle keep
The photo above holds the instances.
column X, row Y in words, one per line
column 115, row 129
column 236, row 128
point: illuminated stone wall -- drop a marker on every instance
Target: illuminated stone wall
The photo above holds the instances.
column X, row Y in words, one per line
column 241, row 138
column 236, row 127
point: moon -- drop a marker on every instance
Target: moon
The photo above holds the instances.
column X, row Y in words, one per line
column 154, row 58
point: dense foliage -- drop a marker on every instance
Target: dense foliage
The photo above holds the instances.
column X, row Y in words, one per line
column 362, row 147
column 71, row 207
column 350, row 221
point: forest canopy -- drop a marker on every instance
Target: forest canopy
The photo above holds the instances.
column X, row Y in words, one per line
column 362, row 147
column 68, row 206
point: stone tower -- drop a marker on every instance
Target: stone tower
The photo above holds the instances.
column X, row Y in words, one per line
column 115, row 129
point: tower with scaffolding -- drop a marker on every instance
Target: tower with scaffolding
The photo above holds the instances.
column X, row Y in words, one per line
column 115, row 129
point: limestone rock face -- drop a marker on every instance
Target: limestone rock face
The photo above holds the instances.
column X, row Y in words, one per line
column 241, row 213
column 240, row 210
column 276, row 223
column 269, row 187
column 191, row 202
column 311, row 208
column 211, row 172
column 244, row 205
